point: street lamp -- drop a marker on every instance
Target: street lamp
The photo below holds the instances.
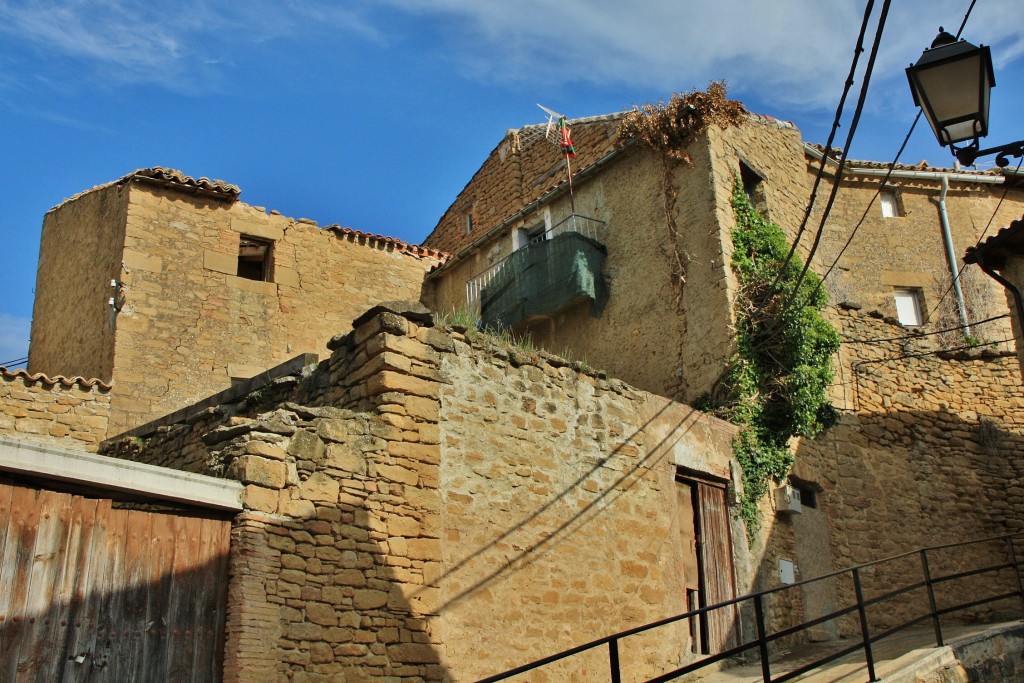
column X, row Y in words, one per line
column 951, row 83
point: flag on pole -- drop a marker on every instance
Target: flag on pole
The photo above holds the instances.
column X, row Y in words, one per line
column 565, row 141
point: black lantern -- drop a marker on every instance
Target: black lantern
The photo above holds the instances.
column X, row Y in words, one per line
column 951, row 83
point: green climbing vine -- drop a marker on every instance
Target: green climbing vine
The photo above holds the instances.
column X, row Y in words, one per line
column 776, row 384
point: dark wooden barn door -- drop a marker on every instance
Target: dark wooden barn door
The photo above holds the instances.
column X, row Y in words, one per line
column 89, row 592
column 707, row 561
column 715, row 549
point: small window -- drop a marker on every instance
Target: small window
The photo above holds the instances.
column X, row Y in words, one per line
column 469, row 222
column 255, row 259
column 753, row 187
column 537, row 233
column 890, row 204
column 908, row 307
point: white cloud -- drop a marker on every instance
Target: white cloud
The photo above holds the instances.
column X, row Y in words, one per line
column 13, row 337
column 180, row 46
column 785, row 51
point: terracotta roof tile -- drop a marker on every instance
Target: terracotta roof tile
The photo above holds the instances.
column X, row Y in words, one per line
column 170, row 176
column 837, row 153
column 395, row 243
column 1009, row 240
column 41, row 378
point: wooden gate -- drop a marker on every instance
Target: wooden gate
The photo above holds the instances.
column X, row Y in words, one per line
column 89, row 592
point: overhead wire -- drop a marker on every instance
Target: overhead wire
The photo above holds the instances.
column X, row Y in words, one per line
column 933, row 352
column 924, row 334
column 858, row 49
column 883, row 15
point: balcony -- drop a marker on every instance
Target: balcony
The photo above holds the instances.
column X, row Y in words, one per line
column 551, row 272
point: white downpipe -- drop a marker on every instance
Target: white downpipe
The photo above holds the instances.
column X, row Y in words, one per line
column 951, row 255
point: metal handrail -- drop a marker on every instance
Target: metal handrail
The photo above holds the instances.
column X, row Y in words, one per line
column 763, row 638
column 588, row 227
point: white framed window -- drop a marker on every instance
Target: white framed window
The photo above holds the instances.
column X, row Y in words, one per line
column 890, row 205
column 908, row 306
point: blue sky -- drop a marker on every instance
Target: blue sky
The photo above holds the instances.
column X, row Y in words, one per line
column 373, row 114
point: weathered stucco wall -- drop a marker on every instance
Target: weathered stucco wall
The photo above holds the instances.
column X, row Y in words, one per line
column 69, row 412
column 441, row 506
column 667, row 305
column 79, row 254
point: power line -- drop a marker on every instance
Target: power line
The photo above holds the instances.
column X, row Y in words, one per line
column 842, row 163
column 831, row 137
column 924, row 334
column 929, row 353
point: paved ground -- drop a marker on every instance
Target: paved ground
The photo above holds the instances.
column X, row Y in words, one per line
column 891, row 655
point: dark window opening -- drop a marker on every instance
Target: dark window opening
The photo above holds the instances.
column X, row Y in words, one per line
column 538, row 233
column 753, row 187
column 255, row 259
column 808, row 494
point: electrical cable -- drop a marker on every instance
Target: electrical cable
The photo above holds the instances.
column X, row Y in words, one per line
column 929, row 353
column 842, row 163
column 924, row 334
column 831, row 137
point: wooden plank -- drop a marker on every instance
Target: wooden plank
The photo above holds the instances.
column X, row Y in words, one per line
column 210, row 597
column 183, row 609
column 66, row 642
column 90, row 583
column 159, row 565
column 14, row 562
column 33, row 651
column 136, row 595
column 107, row 665
column 55, row 630
column 716, row 558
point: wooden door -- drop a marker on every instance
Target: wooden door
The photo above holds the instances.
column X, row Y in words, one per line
column 715, row 551
column 707, row 561
column 90, row 592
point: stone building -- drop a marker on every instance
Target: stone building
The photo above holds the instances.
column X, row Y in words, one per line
column 418, row 501
column 170, row 289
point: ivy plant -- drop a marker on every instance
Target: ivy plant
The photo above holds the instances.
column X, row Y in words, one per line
column 776, row 383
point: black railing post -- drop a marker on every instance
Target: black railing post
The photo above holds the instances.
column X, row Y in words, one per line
column 1016, row 569
column 931, row 598
column 864, row 630
column 613, row 659
column 762, row 644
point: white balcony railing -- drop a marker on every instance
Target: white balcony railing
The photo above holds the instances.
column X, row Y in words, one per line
column 589, row 227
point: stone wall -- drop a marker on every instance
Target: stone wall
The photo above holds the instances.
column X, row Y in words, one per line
column 427, row 503
column 69, row 412
column 79, row 255
column 188, row 324
column 926, row 453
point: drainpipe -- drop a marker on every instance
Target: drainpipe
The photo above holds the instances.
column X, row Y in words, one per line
column 951, row 255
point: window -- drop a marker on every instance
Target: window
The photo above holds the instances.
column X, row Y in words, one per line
column 469, row 222
column 753, row 187
column 890, row 205
column 525, row 236
column 255, row 258
column 908, row 307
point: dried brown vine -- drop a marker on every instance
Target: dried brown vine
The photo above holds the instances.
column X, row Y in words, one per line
column 668, row 128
